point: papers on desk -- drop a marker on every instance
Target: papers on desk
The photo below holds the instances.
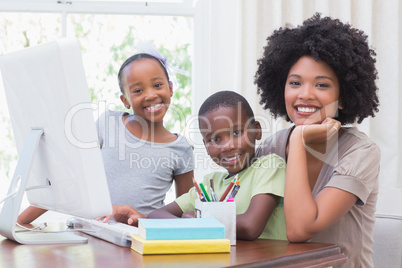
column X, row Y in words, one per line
column 175, row 236
column 144, row 246
column 181, row 228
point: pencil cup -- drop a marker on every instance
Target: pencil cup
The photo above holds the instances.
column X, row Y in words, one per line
column 225, row 212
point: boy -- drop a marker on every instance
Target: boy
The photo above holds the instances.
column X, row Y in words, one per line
column 229, row 132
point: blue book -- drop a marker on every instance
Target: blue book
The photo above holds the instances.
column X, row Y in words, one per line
column 181, row 228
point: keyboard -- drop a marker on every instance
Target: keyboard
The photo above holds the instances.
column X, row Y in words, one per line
column 115, row 232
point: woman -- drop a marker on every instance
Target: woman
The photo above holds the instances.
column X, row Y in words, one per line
column 321, row 76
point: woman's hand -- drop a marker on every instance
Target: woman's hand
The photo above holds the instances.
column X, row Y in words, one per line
column 305, row 214
column 320, row 133
column 125, row 214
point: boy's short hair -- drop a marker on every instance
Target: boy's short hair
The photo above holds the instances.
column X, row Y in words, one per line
column 226, row 98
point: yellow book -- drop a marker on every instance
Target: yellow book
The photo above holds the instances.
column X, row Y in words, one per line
column 143, row 246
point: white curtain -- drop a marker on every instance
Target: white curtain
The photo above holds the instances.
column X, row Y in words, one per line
column 238, row 32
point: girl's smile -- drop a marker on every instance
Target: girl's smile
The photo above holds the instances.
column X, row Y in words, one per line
column 154, row 108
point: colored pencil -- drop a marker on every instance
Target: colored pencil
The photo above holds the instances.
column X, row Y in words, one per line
column 227, row 190
column 205, row 192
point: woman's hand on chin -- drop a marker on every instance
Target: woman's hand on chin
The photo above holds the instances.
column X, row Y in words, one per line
column 319, row 133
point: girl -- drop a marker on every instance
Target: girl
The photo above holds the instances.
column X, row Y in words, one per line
column 146, row 150
column 321, row 76
column 141, row 157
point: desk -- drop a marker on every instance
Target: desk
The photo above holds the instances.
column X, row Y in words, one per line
column 98, row 253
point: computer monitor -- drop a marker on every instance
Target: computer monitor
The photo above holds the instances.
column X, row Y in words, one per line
column 60, row 164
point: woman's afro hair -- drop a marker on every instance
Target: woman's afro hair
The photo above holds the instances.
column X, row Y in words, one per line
column 343, row 48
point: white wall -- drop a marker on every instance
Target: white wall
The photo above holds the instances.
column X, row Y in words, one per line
column 238, row 32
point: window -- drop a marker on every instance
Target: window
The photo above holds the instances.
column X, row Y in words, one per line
column 108, row 32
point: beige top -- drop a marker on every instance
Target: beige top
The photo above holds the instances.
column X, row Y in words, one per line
column 352, row 166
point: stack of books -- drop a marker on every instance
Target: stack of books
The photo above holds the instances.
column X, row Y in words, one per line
column 177, row 236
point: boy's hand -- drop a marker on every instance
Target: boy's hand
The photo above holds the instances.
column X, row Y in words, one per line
column 125, row 214
column 188, row 214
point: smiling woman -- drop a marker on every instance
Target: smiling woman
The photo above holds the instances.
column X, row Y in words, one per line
column 332, row 170
column 308, row 78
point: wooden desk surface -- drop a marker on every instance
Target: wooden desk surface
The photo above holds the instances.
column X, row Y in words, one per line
column 98, row 253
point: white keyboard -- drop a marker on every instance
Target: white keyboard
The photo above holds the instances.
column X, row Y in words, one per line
column 114, row 232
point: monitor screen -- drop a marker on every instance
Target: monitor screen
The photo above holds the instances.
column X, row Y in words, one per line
column 46, row 91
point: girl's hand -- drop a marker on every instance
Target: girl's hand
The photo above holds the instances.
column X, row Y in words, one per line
column 320, row 133
column 125, row 214
column 30, row 214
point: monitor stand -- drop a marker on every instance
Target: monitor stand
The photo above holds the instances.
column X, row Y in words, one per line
column 11, row 207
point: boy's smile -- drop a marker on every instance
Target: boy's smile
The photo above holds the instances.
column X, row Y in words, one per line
column 229, row 136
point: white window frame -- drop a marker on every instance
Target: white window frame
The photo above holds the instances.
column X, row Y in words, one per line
column 198, row 9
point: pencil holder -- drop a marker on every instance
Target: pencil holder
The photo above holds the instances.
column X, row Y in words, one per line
column 225, row 212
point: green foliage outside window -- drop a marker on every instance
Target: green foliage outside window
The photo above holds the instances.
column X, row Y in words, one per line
column 26, row 29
